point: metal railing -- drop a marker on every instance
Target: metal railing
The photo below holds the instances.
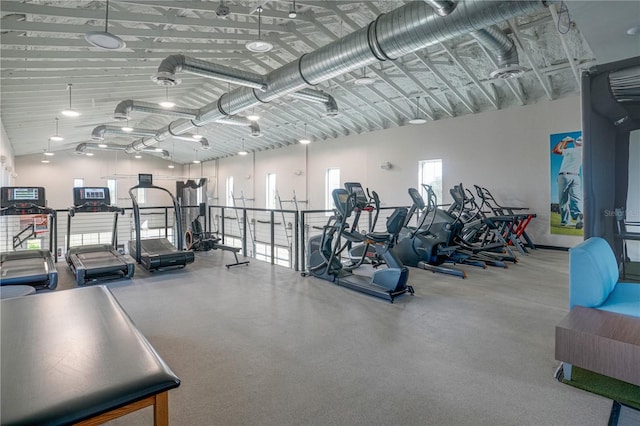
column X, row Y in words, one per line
column 276, row 236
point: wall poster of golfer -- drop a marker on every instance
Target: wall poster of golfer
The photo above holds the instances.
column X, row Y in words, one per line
column 566, row 183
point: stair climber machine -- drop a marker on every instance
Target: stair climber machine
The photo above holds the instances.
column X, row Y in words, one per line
column 324, row 253
column 429, row 245
column 28, row 267
column 369, row 202
column 197, row 239
column 157, row 253
column 96, row 262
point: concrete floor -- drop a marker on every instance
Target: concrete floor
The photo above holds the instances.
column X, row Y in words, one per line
column 261, row 345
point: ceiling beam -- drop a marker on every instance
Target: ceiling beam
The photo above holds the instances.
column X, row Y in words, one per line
column 517, row 39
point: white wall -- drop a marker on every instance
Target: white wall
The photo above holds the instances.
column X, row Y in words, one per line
column 506, row 151
column 57, row 176
column 7, row 163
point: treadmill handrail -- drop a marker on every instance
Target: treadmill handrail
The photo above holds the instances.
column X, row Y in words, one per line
column 136, row 218
column 105, row 208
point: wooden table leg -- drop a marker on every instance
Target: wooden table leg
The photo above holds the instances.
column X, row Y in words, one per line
column 161, row 409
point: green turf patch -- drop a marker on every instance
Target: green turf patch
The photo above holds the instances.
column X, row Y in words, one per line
column 620, row 391
column 556, row 228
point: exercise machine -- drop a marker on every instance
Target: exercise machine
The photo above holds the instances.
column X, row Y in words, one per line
column 197, row 239
column 157, row 253
column 28, row 267
column 428, row 246
column 370, row 203
column 324, row 252
column 96, row 262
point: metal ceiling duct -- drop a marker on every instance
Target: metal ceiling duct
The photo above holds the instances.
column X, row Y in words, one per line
column 320, row 97
column 98, row 133
column 504, row 49
column 166, row 75
column 392, row 35
column 236, row 120
column 442, row 8
column 123, row 110
column 84, row 146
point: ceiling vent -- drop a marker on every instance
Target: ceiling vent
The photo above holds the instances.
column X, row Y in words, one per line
column 506, row 73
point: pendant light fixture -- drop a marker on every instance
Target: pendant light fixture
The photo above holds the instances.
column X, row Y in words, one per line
column 417, row 119
column 166, row 103
column 56, row 137
column 253, row 116
column 292, row 12
column 305, row 140
column 242, row 150
column 259, row 45
column 47, row 153
column 70, row 112
column 104, row 39
column 363, row 80
column 126, row 127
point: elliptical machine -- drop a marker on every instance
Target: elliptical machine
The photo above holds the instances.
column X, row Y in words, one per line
column 428, row 246
column 324, row 252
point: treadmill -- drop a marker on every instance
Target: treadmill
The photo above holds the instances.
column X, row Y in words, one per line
column 28, row 267
column 157, row 253
column 96, row 262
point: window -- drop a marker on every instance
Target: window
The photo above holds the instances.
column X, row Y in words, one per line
column 199, row 193
column 271, row 191
column 229, row 189
column 112, row 184
column 332, row 181
column 78, row 182
column 141, row 196
column 430, row 173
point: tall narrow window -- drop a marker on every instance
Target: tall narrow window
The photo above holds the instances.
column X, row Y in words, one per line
column 141, row 196
column 271, row 190
column 199, row 194
column 112, row 184
column 430, row 173
column 331, row 182
column 78, row 182
column 229, row 190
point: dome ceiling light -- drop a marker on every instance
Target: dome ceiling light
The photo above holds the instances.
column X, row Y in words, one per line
column 104, row 39
column 259, row 45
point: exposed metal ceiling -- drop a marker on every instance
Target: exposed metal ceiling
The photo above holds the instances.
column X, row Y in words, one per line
column 44, row 50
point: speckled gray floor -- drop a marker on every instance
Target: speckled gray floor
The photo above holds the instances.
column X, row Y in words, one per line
column 260, row 345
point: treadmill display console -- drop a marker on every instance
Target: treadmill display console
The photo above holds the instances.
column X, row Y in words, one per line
column 91, row 199
column 361, row 197
column 93, row 193
column 22, row 196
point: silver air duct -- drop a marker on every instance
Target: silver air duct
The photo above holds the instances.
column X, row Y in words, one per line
column 84, row 146
column 504, row 49
column 98, row 133
column 319, row 97
column 166, row 75
column 404, row 30
column 123, row 110
column 442, row 8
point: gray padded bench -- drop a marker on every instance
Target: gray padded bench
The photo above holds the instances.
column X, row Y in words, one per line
column 74, row 356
